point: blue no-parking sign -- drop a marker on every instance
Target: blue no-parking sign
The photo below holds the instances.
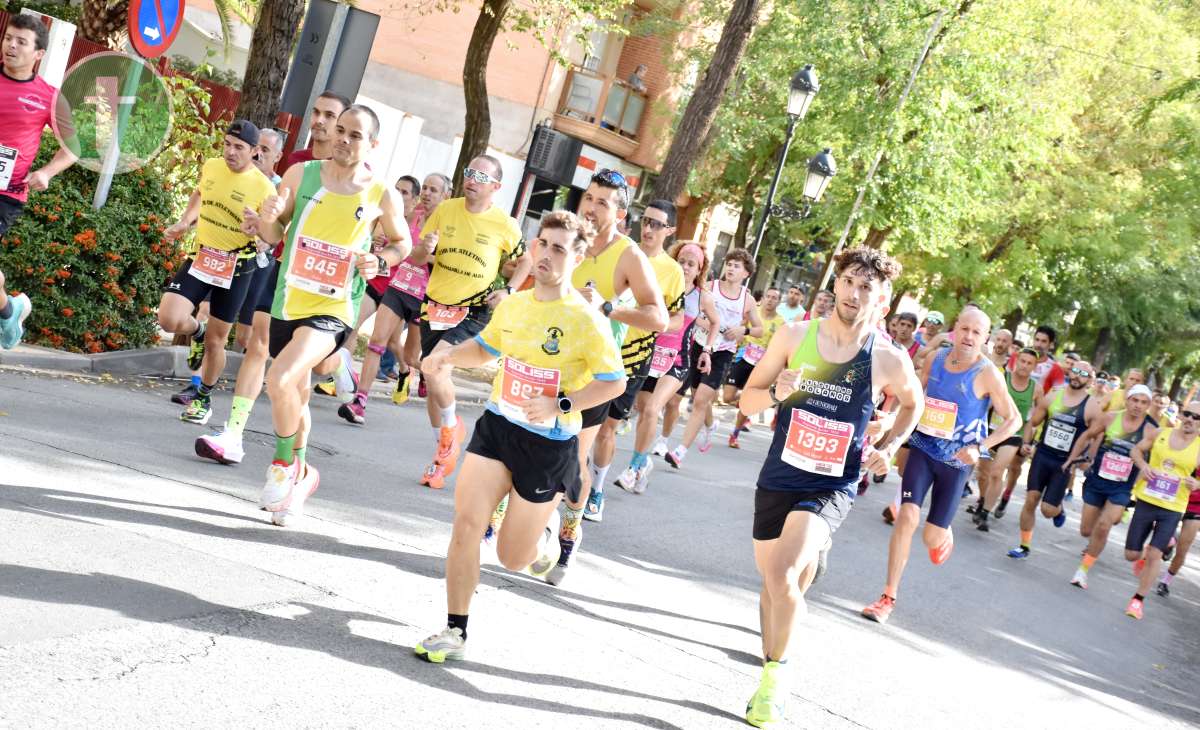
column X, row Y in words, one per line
column 153, row 25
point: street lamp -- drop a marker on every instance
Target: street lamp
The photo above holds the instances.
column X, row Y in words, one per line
column 802, row 91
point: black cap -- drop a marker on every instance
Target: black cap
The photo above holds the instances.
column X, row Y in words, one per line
column 244, row 130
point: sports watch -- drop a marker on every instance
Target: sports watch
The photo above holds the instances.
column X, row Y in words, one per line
column 565, row 404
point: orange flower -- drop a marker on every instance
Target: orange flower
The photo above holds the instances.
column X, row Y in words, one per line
column 143, row 228
column 68, row 312
column 113, row 256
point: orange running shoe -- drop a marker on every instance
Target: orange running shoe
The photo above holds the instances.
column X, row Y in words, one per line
column 880, row 611
column 450, row 440
column 434, row 476
column 941, row 553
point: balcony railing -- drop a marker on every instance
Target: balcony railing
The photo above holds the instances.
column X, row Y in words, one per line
column 609, row 105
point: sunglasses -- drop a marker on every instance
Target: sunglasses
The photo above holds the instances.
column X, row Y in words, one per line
column 610, row 178
column 654, row 225
column 479, row 176
column 1081, row 372
column 1190, row 414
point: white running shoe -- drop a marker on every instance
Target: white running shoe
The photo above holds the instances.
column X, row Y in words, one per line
column 223, row 447
column 660, row 447
column 304, row 488
column 344, row 378
column 643, row 478
column 448, row 644
column 1080, row 578
column 548, row 547
column 704, row 442
column 675, row 458
column 277, row 492
column 628, row 479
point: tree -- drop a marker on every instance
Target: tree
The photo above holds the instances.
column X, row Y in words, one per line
column 106, row 21
column 695, row 123
column 266, row 69
column 477, row 126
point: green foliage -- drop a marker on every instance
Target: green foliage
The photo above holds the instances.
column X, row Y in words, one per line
column 62, row 9
column 206, row 71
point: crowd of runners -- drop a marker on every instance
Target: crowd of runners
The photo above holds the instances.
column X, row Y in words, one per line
column 594, row 335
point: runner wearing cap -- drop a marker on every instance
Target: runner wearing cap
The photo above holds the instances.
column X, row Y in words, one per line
column 930, row 327
column 222, row 264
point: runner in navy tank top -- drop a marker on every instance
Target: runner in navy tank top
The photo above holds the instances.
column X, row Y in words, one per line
column 961, row 383
column 823, row 376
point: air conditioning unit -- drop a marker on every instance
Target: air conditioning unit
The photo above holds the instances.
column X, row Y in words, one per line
column 553, row 155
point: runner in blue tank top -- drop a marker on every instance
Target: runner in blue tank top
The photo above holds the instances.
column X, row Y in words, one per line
column 961, row 383
column 823, row 376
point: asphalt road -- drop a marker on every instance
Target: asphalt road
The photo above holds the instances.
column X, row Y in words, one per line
column 140, row 586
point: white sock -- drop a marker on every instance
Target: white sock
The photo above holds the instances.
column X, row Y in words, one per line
column 681, row 449
column 448, row 416
column 598, row 474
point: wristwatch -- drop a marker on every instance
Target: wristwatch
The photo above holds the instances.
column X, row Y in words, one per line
column 774, row 398
column 383, row 264
column 508, row 289
column 607, row 308
column 565, row 404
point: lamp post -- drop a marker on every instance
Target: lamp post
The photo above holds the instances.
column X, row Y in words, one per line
column 803, row 90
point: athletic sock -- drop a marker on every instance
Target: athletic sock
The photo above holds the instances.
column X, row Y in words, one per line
column 7, row 310
column 300, row 454
column 199, row 333
column 682, row 450
column 639, row 459
column 572, row 519
column 448, row 416
column 239, row 413
column 1167, row 577
column 1138, row 597
column 195, row 381
column 285, row 448
column 458, row 621
column 1086, row 564
column 1026, row 539
column 598, row 475
column 203, row 390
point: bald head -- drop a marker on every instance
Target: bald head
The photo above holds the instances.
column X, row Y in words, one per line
column 971, row 330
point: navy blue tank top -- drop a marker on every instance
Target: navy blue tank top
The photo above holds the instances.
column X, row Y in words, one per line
column 820, row 429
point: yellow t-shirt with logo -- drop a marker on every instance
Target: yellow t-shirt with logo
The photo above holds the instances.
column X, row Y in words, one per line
column 223, row 195
column 470, row 249
column 770, row 327
column 1178, row 463
column 639, row 344
column 566, row 336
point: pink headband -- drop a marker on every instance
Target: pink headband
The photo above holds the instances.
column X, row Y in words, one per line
column 694, row 248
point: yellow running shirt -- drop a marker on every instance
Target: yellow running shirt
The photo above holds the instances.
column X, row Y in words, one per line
column 601, row 270
column 547, row 348
column 770, row 327
column 317, row 275
column 470, row 249
column 1168, row 493
column 223, row 195
column 639, row 344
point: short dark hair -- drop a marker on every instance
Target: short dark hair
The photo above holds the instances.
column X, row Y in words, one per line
column 740, row 254
column 908, row 317
column 797, row 287
column 1103, row 375
column 364, row 109
column 413, row 184
column 494, row 163
column 331, row 94
column 823, row 291
column 667, row 208
column 613, row 180
column 1019, row 345
column 871, row 262
column 25, row 21
column 1048, row 331
column 564, row 220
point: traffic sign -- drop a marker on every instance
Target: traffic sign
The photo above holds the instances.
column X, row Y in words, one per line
column 153, row 25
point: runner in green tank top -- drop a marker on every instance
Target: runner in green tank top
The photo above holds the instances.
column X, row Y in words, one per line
column 1022, row 387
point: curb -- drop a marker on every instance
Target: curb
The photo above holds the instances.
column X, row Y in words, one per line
column 163, row 362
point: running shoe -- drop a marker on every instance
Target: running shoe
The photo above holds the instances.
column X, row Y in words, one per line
column 733, row 440
column 13, row 328
column 195, row 356
column 593, row 511
column 434, row 476
column 1060, row 519
column 198, row 411
column 660, row 447
column 889, row 515
column 548, row 548
column 449, row 443
column 981, row 522
column 566, row 548
column 974, row 508
column 325, row 387
column 878, row 478
column 822, row 561
column 1000, row 509
column 1080, row 579
column 704, row 441
column 626, row 480
column 767, row 706
column 356, row 410
column 1069, row 496
column 421, row 392
column 223, row 447
column 400, row 394
column 277, row 492
column 643, row 478
column 1138, row 566
column 1134, row 609
column 880, row 611
column 303, row 489
column 1126, row 517
column 941, row 553
column 185, row 396
column 1020, row 552
column 675, row 457
column 345, row 380
column 1162, row 589
column 449, row 644
column 623, row 427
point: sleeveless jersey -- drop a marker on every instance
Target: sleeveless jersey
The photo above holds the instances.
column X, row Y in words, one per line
column 1062, row 428
column 954, row 416
column 820, row 429
column 1168, row 493
column 731, row 312
column 332, row 222
column 600, row 271
column 674, row 340
column 1023, row 399
column 1112, row 463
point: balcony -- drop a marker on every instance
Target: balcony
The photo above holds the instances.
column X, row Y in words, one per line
column 601, row 110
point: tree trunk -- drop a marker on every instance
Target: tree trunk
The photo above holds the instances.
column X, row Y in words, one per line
column 478, row 125
column 896, row 297
column 102, row 22
column 876, row 237
column 688, row 144
column 270, row 49
column 1103, row 343
column 1177, row 381
column 1013, row 320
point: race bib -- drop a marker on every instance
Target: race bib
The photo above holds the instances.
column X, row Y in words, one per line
column 753, row 353
column 214, row 266
column 661, row 361
column 1165, row 486
column 441, row 317
column 321, row 268
column 817, row 445
column 8, row 163
column 520, row 382
column 410, row 279
column 939, row 418
column 1059, row 436
column 1115, row 467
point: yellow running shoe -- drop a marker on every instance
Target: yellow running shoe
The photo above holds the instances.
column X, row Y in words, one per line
column 766, row 707
column 449, row 644
column 400, row 394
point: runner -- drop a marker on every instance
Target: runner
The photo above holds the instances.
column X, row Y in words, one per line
column 266, row 156
column 1001, row 352
column 822, row 305
column 1108, row 484
column 327, row 109
column 823, row 377
column 792, row 307
column 223, row 263
column 401, row 308
column 905, row 325
column 1064, row 415
column 1167, row 459
column 27, row 106
column 637, row 349
column 470, row 237
column 1048, row 373
column 1133, row 376
column 558, row 358
column 617, row 278
column 1187, row 535
column 960, row 384
column 329, row 208
column 748, row 355
column 931, row 327
column 1022, row 389
column 738, row 318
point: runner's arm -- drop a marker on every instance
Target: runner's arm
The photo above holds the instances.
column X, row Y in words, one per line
column 40, row 179
column 188, row 219
column 1003, row 405
column 756, row 327
column 595, row 393
column 395, row 228
column 902, row 382
column 771, row 369
column 635, row 272
column 1089, row 440
column 932, row 345
column 524, row 264
column 709, row 308
column 1035, row 419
